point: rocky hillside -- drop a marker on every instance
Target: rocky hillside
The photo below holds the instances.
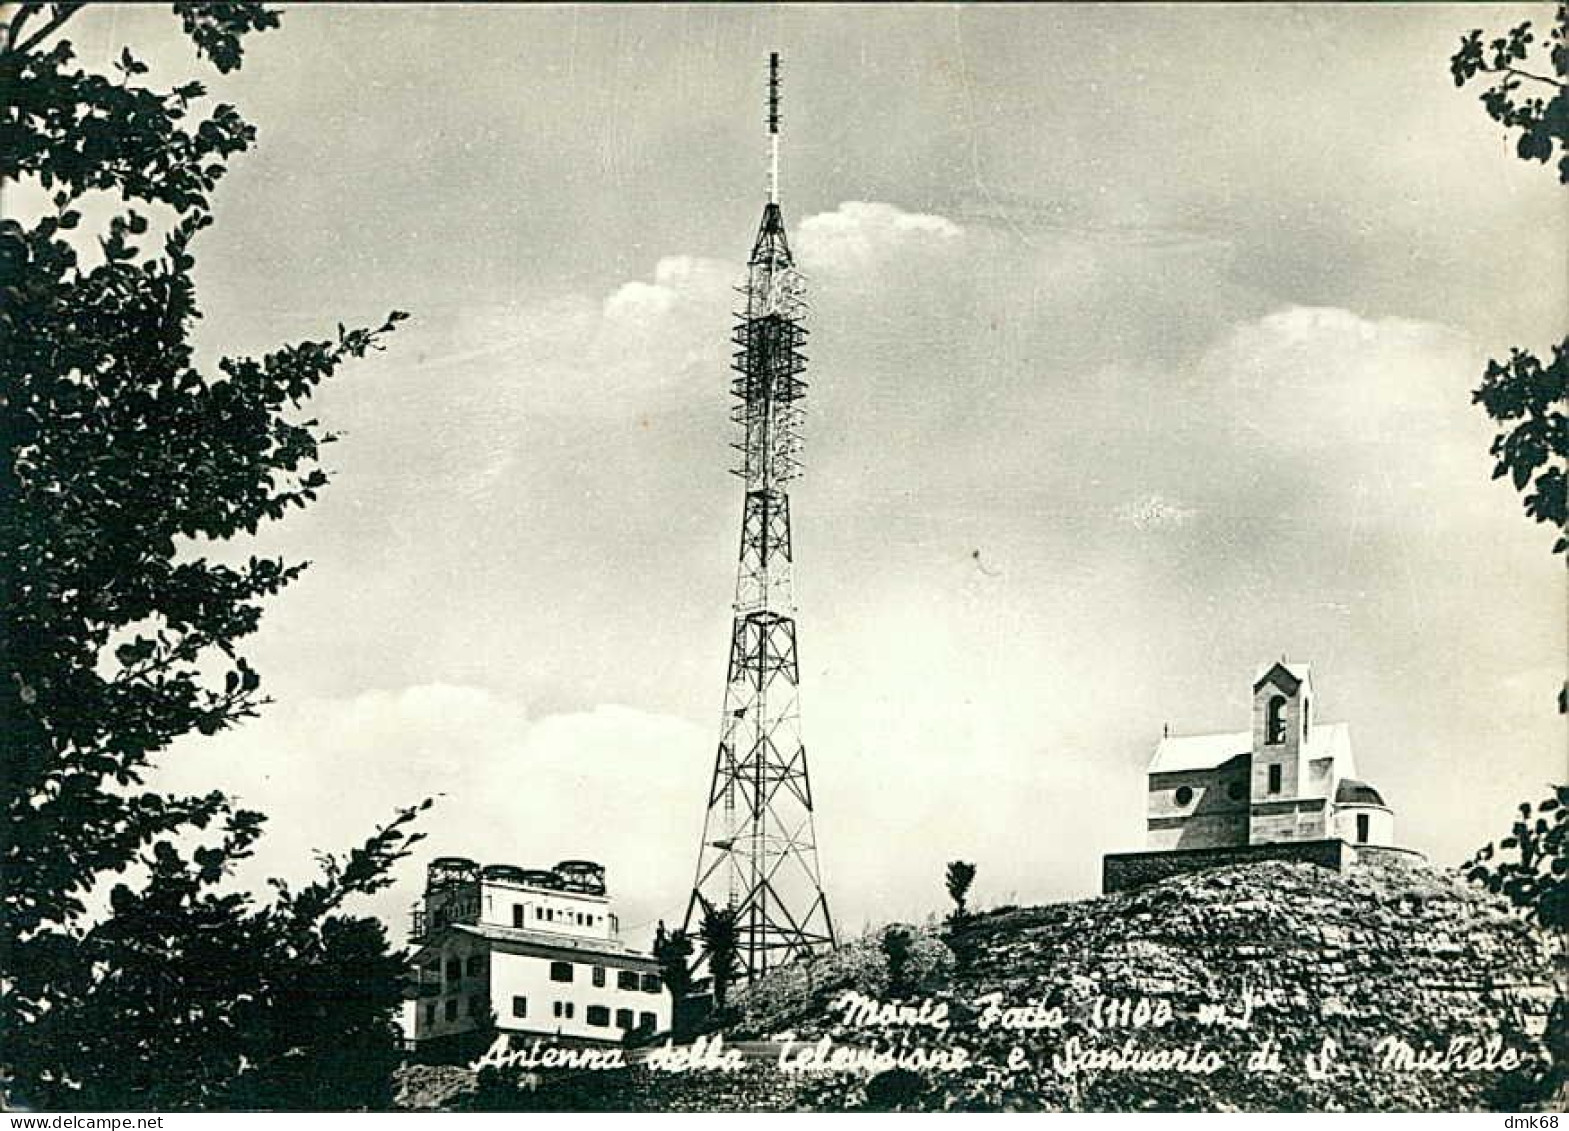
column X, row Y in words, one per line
column 1268, row 986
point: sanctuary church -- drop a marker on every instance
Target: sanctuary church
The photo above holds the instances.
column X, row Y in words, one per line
column 1289, row 778
column 1287, row 788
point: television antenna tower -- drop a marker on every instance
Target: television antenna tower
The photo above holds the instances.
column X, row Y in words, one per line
column 758, row 856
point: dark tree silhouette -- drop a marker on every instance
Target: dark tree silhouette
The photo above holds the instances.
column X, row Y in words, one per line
column 123, row 461
column 1530, row 866
column 1526, row 396
column 959, row 878
column 674, row 951
column 721, row 941
column 897, row 941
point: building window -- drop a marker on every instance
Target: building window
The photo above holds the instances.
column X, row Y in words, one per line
column 626, row 980
column 1185, row 795
column 550, row 914
column 452, row 1009
column 567, row 1009
column 623, row 1019
column 1362, row 828
column 556, row 1008
column 1275, row 721
column 647, row 1021
column 599, row 975
column 651, row 984
column 476, row 965
column 517, row 914
column 561, row 971
column 454, row 969
column 1274, row 778
column 598, row 1016
column 1307, row 716
column 539, row 912
column 430, row 1013
column 520, row 1006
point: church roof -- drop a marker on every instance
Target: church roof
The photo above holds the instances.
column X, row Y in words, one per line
column 1198, row 751
column 1178, row 753
column 1296, row 674
column 1352, row 792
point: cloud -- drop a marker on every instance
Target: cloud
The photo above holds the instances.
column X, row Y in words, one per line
column 613, row 784
column 681, row 282
column 636, row 348
column 862, row 235
column 645, row 344
column 1337, row 404
column 1153, row 512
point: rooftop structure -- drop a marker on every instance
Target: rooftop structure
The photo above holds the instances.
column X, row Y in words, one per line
column 498, row 948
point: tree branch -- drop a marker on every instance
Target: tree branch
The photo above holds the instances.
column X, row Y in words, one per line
column 62, row 14
column 13, row 29
column 1518, row 73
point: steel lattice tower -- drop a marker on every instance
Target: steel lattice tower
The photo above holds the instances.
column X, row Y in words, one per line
column 759, row 851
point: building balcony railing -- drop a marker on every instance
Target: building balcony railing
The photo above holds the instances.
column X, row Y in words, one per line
column 423, row 922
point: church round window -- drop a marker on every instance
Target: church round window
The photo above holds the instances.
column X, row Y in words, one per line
column 1185, row 795
column 1235, row 791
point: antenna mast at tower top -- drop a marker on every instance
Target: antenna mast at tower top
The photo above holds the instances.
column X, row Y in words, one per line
column 773, row 127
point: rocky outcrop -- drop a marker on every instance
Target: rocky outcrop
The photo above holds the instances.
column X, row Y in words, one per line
column 1270, row 986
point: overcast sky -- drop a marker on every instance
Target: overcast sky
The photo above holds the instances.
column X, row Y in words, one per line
column 1143, row 342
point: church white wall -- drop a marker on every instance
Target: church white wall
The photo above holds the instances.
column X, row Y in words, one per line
column 1381, row 824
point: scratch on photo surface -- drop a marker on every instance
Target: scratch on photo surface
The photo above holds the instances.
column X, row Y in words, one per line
column 973, row 132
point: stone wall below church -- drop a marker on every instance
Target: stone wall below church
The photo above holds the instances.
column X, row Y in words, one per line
column 1121, row 871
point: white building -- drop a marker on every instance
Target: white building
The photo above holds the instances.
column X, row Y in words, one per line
column 1289, row 778
column 526, row 951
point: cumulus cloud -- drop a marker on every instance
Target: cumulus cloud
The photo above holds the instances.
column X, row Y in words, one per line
column 1342, row 404
column 635, row 348
column 613, row 784
column 680, row 283
column 644, row 344
column 864, row 234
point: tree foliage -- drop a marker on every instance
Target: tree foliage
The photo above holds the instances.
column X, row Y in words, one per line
column 897, row 942
column 721, row 941
column 1528, row 398
column 1531, row 401
column 1531, row 865
column 1525, row 94
column 959, row 877
column 124, row 462
column 673, row 950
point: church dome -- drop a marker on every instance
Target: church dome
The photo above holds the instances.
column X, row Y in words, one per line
column 1353, row 792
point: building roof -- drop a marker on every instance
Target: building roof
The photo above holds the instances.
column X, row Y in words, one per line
column 1333, row 740
column 1180, row 753
column 1198, row 751
column 1353, row 792
column 541, row 944
column 1296, row 674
